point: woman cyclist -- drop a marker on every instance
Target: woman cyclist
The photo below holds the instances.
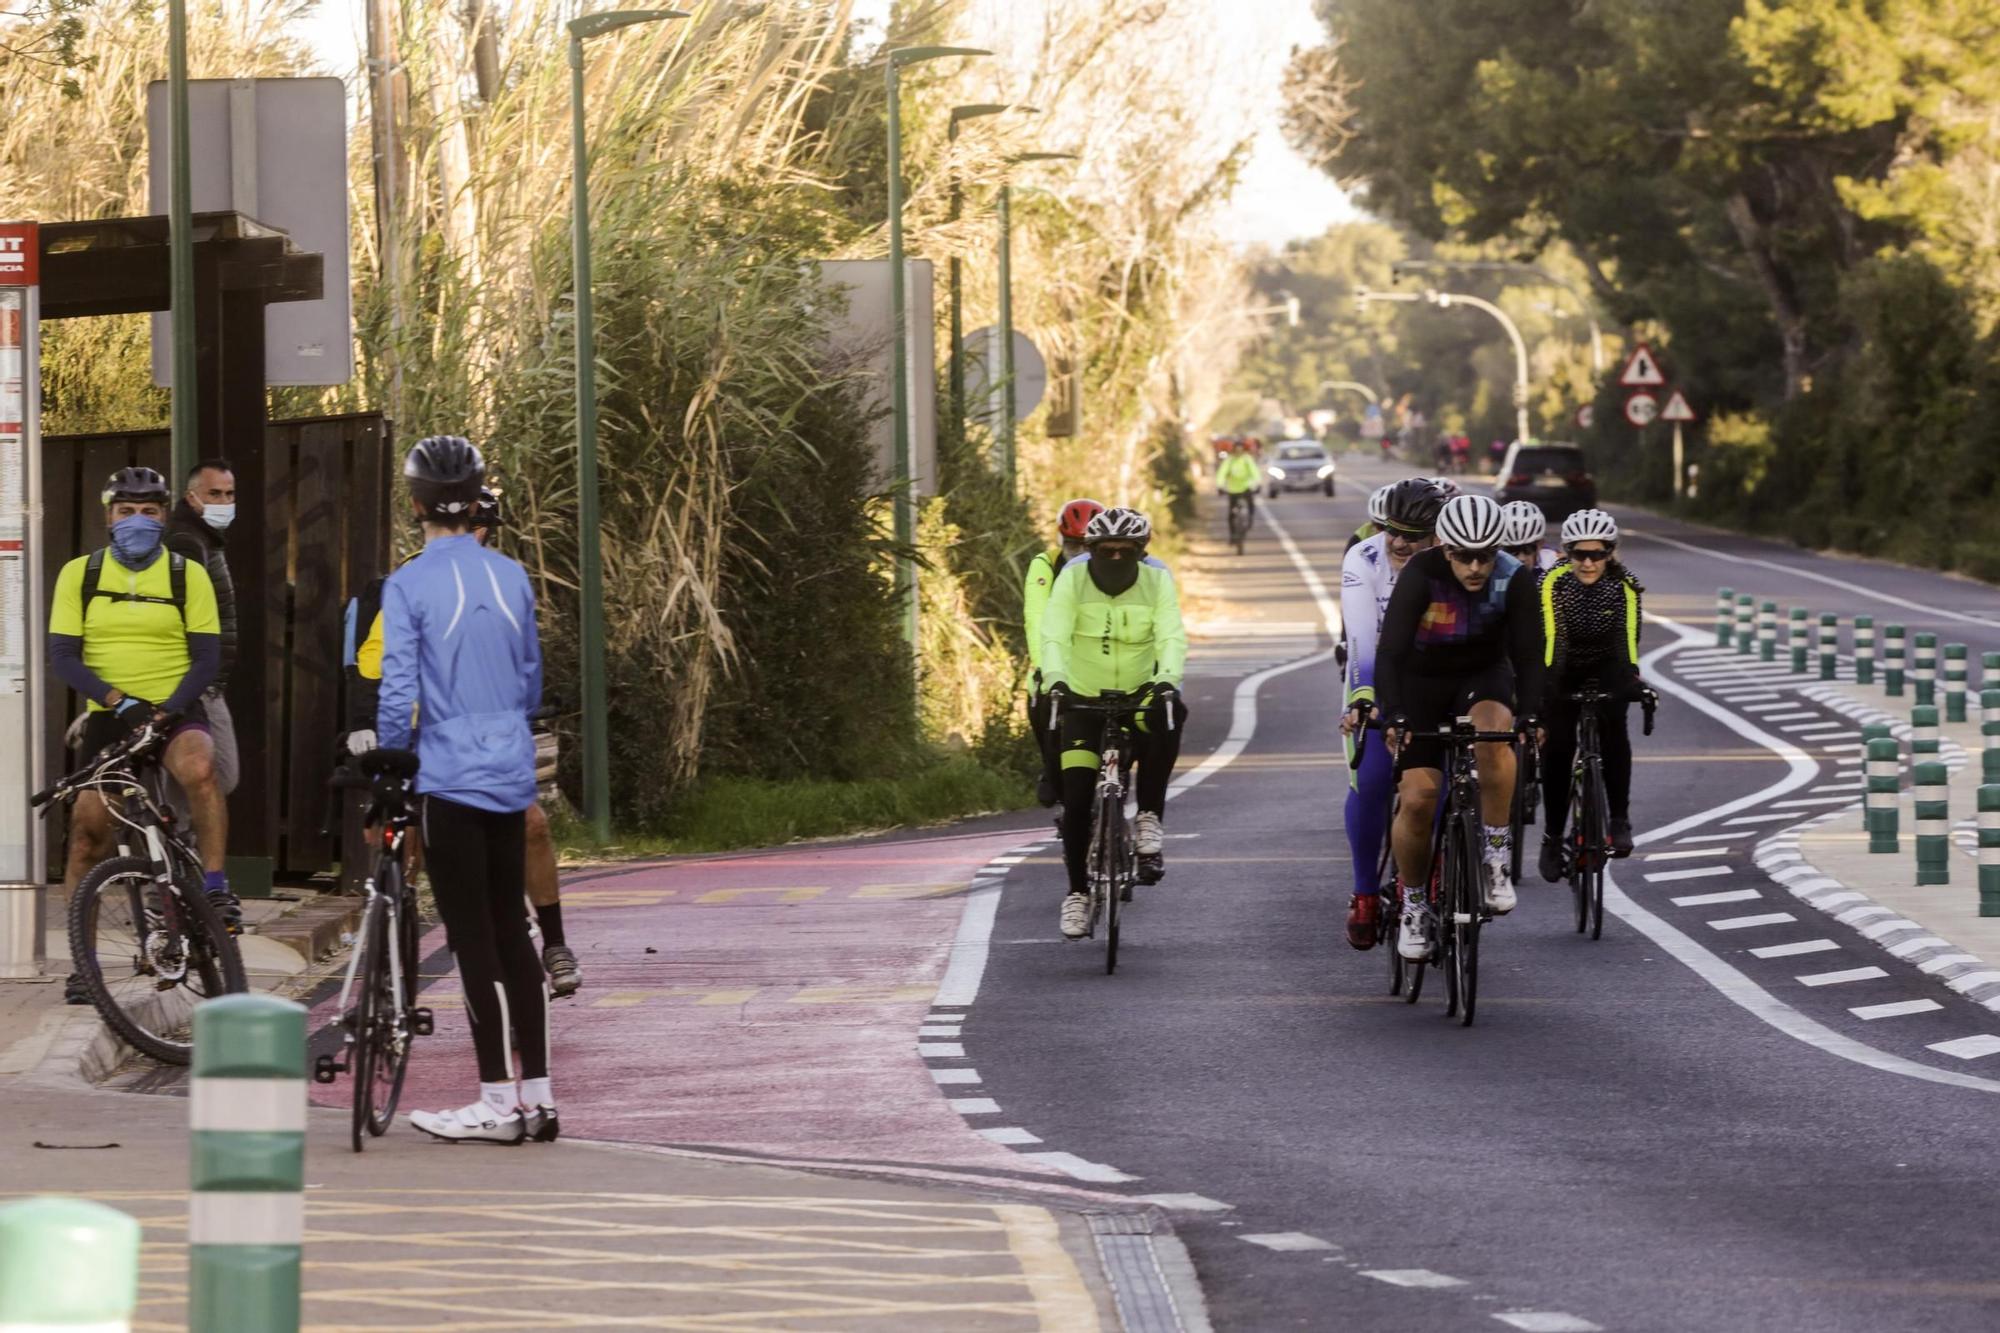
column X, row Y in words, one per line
column 1522, row 527
column 1591, row 613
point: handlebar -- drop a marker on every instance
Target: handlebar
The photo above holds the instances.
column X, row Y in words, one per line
column 1459, row 729
column 1647, row 698
column 134, row 746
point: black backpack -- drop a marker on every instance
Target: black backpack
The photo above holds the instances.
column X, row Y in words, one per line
column 177, row 585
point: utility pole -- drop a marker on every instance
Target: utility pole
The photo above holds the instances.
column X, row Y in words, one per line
column 388, row 185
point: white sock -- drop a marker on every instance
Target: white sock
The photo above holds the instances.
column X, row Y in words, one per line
column 1499, row 841
column 535, row 1092
column 501, row 1097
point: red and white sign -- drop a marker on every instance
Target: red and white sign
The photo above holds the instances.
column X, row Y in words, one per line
column 1641, row 409
column 1677, row 408
column 1585, row 416
column 20, row 254
column 1641, row 371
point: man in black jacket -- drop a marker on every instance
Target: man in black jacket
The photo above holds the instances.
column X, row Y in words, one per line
column 195, row 532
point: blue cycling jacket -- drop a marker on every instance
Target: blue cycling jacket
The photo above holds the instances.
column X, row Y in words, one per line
column 461, row 651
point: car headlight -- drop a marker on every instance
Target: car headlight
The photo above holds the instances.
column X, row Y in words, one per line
column 1326, row 472
column 1276, row 472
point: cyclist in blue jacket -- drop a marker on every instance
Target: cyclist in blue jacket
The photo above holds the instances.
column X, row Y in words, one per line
column 462, row 656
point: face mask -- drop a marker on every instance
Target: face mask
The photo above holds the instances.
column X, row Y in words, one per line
column 219, row 516
column 1113, row 575
column 135, row 540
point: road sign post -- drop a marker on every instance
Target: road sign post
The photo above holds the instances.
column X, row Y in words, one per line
column 22, row 864
column 1678, row 412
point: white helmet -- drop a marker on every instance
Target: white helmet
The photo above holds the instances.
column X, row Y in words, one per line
column 1589, row 525
column 1469, row 522
column 1378, row 505
column 1522, row 523
column 1118, row 525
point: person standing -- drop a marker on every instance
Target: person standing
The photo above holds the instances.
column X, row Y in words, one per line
column 195, row 532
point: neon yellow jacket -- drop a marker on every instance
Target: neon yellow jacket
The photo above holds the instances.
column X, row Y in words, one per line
column 1239, row 473
column 1093, row 642
column 1035, row 592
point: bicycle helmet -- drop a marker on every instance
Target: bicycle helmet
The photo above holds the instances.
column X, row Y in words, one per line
column 138, row 484
column 1412, row 506
column 1119, row 525
column 1470, row 522
column 1522, row 523
column 486, row 511
column 1589, row 525
column 1378, row 505
column 1076, row 516
column 1446, row 485
column 444, row 473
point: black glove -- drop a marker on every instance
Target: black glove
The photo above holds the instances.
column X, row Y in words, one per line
column 132, row 713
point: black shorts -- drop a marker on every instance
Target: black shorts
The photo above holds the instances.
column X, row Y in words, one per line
column 101, row 730
column 1430, row 702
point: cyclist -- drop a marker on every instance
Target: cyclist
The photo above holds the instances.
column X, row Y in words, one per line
column 1071, row 524
column 1523, row 525
column 1376, row 516
column 1461, row 636
column 1367, row 577
column 460, row 645
column 1239, row 478
column 134, row 629
column 1591, row 613
column 1113, row 622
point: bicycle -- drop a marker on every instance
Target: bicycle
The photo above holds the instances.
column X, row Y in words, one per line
column 1590, row 843
column 1389, row 912
column 1113, row 859
column 1239, row 521
column 1527, row 784
column 380, row 1026
column 145, row 941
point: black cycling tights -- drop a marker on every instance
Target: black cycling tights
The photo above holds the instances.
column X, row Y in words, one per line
column 475, row 859
column 1614, row 741
column 1158, row 750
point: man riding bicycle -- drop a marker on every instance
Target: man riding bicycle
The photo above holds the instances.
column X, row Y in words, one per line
column 1240, row 479
column 1113, row 623
column 1377, row 516
column 1367, row 578
column 1071, row 524
column 1461, row 637
column 1591, row 615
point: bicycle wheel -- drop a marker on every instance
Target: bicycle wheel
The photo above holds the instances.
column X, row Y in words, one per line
column 1600, row 843
column 367, row 1018
column 1523, row 811
column 148, row 955
column 1117, row 853
column 1466, row 922
column 1579, row 849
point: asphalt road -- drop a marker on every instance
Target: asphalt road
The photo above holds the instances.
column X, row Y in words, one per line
column 1660, row 1130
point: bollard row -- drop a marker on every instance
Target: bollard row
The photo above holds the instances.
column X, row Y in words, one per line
column 1933, row 820
column 1885, row 769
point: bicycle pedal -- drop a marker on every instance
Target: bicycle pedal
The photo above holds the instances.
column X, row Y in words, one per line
column 420, row 1022
column 326, row 1068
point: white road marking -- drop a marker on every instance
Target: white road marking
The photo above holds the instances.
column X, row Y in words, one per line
column 1810, row 713
column 1686, row 855
column 1189, row 1203
column 1078, row 1169
column 1841, row 977
column 1411, row 1277
column 1820, row 733
column 1798, row 802
column 1547, row 1321
column 1968, row 1048
column 1008, row 860
column 1704, row 899
column 942, row 1076
column 1830, row 786
column 1697, row 872
column 1747, row 922
column 1755, row 819
column 939, row 1030
column 1894, row 1010
column 941, row 1050
column 975, row 1105
column 1288, row 1240
column 1794, row 949
column 1712, row 837
column 1009, row 1135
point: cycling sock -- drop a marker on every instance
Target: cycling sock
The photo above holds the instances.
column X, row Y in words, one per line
column 550, row 920
column 536, row 1092
column 215, row 881
column 502, row 1097
column 1499, row 841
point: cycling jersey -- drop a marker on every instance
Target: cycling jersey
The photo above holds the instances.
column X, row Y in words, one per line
column 1093, row 642
column 1240, row 474
column 1367, row 577
column 1434, row 627
column 133, row 637
column 1591, row 628
column 1362, row 534
column 1041, row 581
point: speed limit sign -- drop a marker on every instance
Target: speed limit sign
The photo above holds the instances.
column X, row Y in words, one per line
column 1585, row 415
column 1641, row 409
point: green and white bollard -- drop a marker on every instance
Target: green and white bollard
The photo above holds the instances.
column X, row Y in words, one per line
column 1989, row 735
column 1725, row 610
column 67, row 1265
column 1924, row 741
column 1989, row 849
column 1933, row 823
column 1829, row 645
column 1923, row 668
column 1989, row 671
column 1892, row 661
column 1885, row 772
column 1864, row 650
column 1767, row 632
column 1795, row 639
column 1745, row 639
column 246, row 1219
column 1954, row 682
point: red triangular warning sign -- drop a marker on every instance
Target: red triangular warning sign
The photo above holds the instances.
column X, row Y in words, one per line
column 1677, row 408
column 1641, row 370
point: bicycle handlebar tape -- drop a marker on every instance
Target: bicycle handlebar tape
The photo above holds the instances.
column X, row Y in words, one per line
column 1767, row 632
column 1924, row 742
column 1892, row 661
column 1933, row 810
column 1923, row 668
column 246, row 1220
column 1989, row 735
column 1829, row 645
column 1989, row 849
column 67, row 1264
column 1864, row 650
column 1795, row 639
column 1885, row 770
column 1725, row 611
column 1954, row 682
column 1745, row 609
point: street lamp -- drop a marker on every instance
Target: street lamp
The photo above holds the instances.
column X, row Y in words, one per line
column 1445, row 301
column 959, row 114
column 1006, row 218
column 1541, row 274
column 184, row 446
column 596, row 725
column 899, row 333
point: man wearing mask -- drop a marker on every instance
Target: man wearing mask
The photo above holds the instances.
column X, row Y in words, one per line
column 195, row 533
column 1113, row 622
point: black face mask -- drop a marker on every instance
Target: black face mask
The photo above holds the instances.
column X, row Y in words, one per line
column 1114, row 574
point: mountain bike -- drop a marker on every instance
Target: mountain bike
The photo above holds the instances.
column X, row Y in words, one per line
column 379, row 1014
column 145, row 941
column 1590, row 840
column 1239, row 521
column 1113, row 859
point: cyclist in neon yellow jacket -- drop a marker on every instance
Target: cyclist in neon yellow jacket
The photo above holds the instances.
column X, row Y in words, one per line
column 1041, row 581
column 1113, row 622
column 1241, row 477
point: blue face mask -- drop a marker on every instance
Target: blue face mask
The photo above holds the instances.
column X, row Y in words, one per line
column 135, row 540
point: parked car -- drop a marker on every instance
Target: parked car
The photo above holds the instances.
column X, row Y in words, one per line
column 1555, row 477
column 1299, row 465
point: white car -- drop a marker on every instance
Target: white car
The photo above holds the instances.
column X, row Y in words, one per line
column 1299, row 465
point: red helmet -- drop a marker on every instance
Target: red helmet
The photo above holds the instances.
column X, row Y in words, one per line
column 1076, row 516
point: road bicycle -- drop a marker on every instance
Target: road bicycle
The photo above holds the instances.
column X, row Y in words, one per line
column 144, row 939
column 1527, row 787
column 1590, row 850
column 1239, row 521
column 379, row 1015
column 1113, row 859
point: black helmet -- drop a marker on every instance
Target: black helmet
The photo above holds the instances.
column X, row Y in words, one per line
column 1412, row 505
column 136, row 483
column 444, row 473
column 486, row 512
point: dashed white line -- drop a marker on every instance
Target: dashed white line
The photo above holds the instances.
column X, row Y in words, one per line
column 939, row 1030
column 1694, row 872
column 1547, row 1321
column 942, row 1076
column 1794, row 949
column 1798, row 802
column 1410, row 1277
column 1898, row 1009
column 1836, row 786
column 1710, row 837
column 941, row 1050
column 1078, row 1168
column 1755, row 819
column 1704, row 899
column 1688, row 855
column 1011, row 1134
column 1842, row 977
column 1189, row 1203
column 1747, row 922
column 975, row 1105
column 1794, row 716
column 1288, row 1240
column 1968, row 1048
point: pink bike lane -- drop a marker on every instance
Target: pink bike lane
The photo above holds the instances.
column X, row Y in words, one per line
column 765, row 1003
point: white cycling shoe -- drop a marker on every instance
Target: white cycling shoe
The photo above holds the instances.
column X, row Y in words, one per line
column 1075, row 916
column 1147, row 837
column 1413, row 940
column 477, row 1123
column 1500, row 898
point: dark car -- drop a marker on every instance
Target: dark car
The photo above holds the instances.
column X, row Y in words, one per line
column 1554, row 477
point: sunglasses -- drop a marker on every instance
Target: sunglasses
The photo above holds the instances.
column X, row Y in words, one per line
column 1527, row 553
column 1404, row 535
column 1591, row 553
column 1485, row 555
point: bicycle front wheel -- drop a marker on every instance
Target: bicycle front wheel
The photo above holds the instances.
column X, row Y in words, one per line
column 148, row 954
column 364, row 1020
column 1600, row 844
column 1117, row 854
column 1468, row 905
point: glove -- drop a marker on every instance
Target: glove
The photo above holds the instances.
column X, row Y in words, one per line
column 360, row 742
column 132, row 713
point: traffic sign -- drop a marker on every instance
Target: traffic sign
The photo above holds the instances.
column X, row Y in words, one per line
column 1586, row 416
column 1677, row 408
column 981, row 350
column 1641, row 371
column 1641, row 409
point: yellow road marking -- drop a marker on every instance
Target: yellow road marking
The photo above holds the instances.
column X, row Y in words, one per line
column 1061, row 1300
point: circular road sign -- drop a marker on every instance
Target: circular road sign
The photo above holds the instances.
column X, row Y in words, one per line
column 1641, row 409
column 1585, row 415
column 981, row 351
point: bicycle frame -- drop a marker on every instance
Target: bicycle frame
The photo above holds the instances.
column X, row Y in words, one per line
column 393, row 815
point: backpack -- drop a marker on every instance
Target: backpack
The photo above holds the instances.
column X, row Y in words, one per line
column 93, row 574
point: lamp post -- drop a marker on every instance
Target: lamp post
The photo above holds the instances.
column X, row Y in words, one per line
column 596, row 725
column 1445, row 301
column 186, row 418
column 960, row 114
column 1540, row 274
column 899, row 333
column 1005, row 210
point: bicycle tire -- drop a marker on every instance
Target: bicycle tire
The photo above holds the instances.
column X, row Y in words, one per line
column 1522, row 811
column 1579, row 855
column 217, row 967
column 1117, row 853
column 1601, row 817
column 1466, row 920
column 366, row 1020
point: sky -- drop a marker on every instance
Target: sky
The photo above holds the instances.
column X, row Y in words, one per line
column 1281, row 197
